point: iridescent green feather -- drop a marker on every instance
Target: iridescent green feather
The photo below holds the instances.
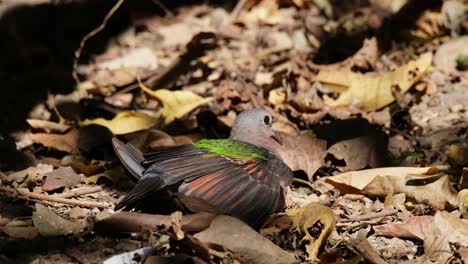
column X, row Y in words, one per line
column 232, row 148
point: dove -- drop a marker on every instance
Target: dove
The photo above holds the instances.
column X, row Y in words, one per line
column 242, row 175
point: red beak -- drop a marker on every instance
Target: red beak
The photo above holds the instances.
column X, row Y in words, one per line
column 277, row 137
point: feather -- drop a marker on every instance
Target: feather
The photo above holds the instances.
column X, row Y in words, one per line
column 248, row 188
column 130, row 156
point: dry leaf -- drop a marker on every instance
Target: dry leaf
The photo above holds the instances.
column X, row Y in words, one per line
column 356, row 181
column 463, row 203
column 413, row 227
column 47, row 126
column 32, row 172
column 374, row 92
column 61, row 177
column 446, row 229
column 67, row 142
column 266, row 12
column 20, row 232
column 113, row 175
column 277, row 97
column 307, row 217
column 243, row 241
column 124, row 122
column 304, row 152
column 176, row 104
column 357, row 153
column 50, row 224
column 416, row 183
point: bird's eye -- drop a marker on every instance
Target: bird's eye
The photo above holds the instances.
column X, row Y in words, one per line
column 267, row 120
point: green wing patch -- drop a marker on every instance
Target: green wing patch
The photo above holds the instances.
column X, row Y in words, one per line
column 232, row 148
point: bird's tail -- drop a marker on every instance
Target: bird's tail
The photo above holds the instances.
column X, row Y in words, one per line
column 130, row 156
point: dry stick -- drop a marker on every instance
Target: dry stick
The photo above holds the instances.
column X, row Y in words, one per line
column 90, row 35
column 237, row 9
column 80, row 191
column 362, row 245
column 52, row 198
column 371, row 215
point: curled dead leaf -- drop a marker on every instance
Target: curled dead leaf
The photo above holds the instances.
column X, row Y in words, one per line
column 307, row 217
column 420, row 184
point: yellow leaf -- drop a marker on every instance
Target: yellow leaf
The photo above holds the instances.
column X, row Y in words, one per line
column 305, row 218
column 176, row 104
column 124, row 122
column 374, row 92
column 277, row 97
column 463, row 203
column 113, row 175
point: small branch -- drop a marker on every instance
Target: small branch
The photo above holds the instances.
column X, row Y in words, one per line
column 362, row 245
column 237, row 9
column 90, row 35
column 368, row 216
column 52, row 198
column 79, row 192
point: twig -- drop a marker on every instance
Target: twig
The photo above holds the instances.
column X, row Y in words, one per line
column 79, row 191
column 52, row 198
column 90, row 35
column 362, row 245
column 237, row 9
column 371, row 215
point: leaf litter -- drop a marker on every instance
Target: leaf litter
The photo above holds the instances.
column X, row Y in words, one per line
column 316, row 66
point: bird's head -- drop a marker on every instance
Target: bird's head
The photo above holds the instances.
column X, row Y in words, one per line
column 254, row 126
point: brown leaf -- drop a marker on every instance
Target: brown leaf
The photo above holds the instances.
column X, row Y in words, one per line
column 50, row 224
column 304, row 152
column 243, row 241
column 414, row 227
column 67, row 142
column 358, row 153
column 31, row 172
column 20, row 232
column 418, row 183
column 446, row 229
column 61, row 177
column 47, row 126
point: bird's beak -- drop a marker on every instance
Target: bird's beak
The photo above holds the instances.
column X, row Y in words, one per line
column 276, row 136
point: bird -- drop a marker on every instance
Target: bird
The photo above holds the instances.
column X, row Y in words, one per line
column 242, row 175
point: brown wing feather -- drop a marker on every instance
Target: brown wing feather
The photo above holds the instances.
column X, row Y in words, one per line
column 249, row 189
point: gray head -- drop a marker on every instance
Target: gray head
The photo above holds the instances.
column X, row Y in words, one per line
column 254, row 126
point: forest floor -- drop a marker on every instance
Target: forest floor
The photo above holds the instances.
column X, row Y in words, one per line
column 371, row 99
